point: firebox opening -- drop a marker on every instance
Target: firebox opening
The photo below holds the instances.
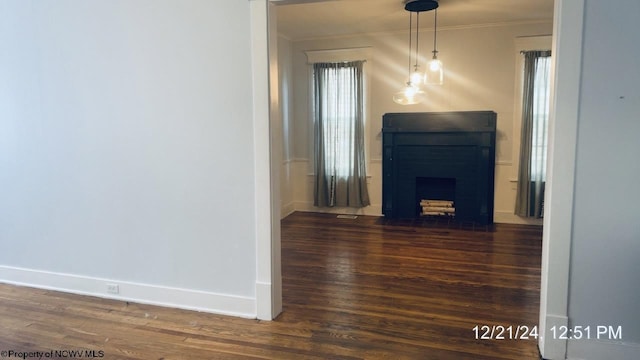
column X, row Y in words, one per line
column 435, row 196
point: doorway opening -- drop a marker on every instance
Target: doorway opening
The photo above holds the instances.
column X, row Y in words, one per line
column 567, row 107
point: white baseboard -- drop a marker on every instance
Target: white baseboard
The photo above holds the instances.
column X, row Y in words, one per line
column 264, row 309
column 139, row 293
column 553, row 348
column 506, row 217
column 371, row 210
column 287, row 210
column 376, row 210
column 596, row 350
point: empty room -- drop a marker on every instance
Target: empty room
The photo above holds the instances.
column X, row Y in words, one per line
column 339, row 179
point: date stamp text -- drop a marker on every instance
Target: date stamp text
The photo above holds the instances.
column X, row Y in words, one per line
column 527, row 332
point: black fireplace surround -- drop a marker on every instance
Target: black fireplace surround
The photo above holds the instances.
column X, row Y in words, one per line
column 441, row 156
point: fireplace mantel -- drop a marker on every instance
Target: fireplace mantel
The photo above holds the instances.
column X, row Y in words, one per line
column 455, row 146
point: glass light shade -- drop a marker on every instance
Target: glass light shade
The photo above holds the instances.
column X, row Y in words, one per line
column 417, row 78
column 435, row 65
column 409, row 95
column 435, row 75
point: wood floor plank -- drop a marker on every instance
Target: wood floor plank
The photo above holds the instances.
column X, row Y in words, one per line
column 364, row 288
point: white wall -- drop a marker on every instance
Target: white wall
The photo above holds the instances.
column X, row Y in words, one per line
column 604, row 285
column 126, row 150
column 479, row 75
column 285, row 75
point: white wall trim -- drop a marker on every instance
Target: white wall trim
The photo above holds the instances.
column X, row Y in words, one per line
column 558, row 212
column 444, row 28
column 275, row 143
column 501, row 217
column 129, row 291
column 506, row 217
column 554, row 348
column 259, row 15
column 312, row 175
column 288, row 209
column 263, row 290
column 594, row 349
column 371, row 210
column 337, row 55
column 538, row 42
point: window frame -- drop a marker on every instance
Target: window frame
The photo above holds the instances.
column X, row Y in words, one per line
column 527, row 43
column 342, row 55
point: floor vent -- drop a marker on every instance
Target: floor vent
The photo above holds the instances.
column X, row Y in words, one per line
column 347, row 217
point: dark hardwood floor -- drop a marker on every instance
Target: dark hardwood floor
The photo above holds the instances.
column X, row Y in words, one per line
column 360, row 288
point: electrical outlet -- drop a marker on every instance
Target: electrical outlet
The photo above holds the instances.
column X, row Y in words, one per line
column 113, row 289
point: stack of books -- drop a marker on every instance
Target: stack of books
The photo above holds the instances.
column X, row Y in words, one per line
column 437, row 208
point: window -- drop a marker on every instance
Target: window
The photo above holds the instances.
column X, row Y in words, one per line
column 340, row 100
column 541, row 87
column 533, row 141
column 339, row 134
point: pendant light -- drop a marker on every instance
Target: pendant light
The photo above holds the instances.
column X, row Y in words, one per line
column 412, row 93
column 417, row 77
column 435, row 72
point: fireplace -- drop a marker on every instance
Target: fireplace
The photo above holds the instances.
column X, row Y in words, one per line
column 447, row 158
column 435, row 196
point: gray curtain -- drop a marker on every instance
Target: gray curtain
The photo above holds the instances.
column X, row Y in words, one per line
column 533, row 140
column 340, row 174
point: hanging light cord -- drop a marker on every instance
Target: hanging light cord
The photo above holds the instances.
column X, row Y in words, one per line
column 417, row 36
column 410, row 29
column 435, row 32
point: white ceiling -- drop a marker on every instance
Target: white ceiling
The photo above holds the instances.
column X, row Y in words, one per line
column 306, row 19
